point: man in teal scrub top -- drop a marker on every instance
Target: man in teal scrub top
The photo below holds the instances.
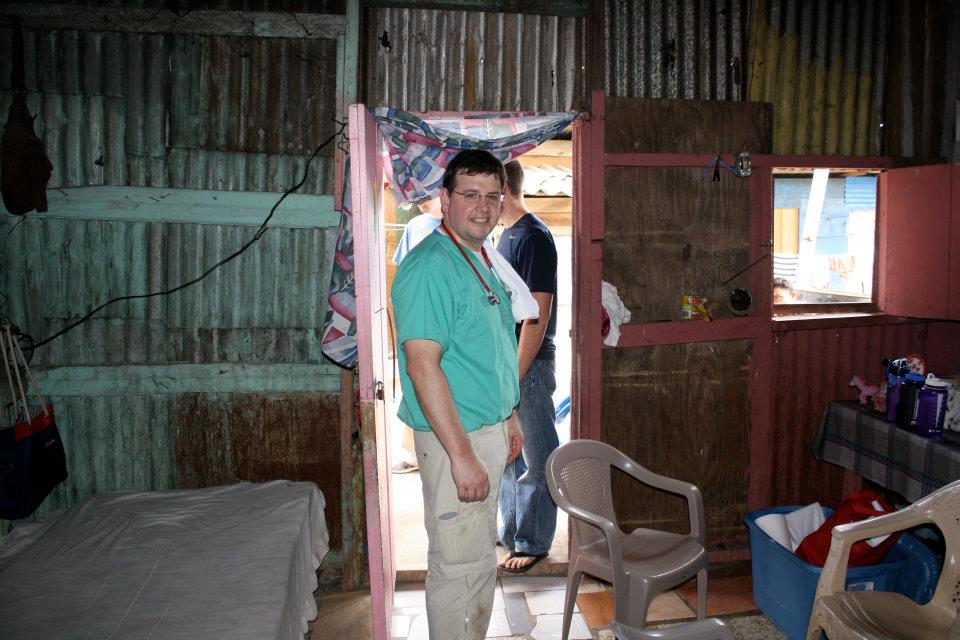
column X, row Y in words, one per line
column 458, row 372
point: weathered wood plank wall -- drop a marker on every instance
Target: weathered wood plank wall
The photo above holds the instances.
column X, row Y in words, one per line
column 681, row 410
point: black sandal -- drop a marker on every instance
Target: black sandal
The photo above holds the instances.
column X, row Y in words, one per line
column 522, row 554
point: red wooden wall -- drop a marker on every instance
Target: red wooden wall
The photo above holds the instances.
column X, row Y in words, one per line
column 812, row 367
column 796, row 367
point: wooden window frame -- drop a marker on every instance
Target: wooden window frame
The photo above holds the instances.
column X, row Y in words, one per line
column 866, row 166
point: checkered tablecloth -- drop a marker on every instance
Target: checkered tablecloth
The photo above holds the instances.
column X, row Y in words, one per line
column 861, row 440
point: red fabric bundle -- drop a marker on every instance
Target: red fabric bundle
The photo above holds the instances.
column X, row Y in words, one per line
column 854, row 508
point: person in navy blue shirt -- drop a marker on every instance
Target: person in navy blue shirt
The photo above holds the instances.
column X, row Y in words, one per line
column 528, row 512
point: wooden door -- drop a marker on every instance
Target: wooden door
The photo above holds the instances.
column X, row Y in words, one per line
column 366, row 184
column 673, row 394
column 954, row 278
column 915, row 241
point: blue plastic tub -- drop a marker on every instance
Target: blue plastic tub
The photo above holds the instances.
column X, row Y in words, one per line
column 784, row 586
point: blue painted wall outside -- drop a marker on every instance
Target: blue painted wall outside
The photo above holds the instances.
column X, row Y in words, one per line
column 843, row 195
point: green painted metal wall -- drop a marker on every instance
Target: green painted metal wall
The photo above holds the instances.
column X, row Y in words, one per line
column 169, row 149
column 157, row 394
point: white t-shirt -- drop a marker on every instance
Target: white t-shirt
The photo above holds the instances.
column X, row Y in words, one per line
column 417, row 229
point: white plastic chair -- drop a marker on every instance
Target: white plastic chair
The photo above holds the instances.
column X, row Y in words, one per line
column 640, row 564
column 879, row 615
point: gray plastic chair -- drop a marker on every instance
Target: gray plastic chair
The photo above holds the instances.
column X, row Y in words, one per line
column 640, row 564
column 709, row 629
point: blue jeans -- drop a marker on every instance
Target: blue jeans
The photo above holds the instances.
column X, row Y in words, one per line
column 529, row 513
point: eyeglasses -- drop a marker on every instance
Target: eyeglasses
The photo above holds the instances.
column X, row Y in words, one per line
column 472, row 197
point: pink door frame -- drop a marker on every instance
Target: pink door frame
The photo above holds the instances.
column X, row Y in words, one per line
column 366, row 187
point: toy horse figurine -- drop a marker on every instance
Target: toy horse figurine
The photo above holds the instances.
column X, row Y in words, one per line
column 871, row 395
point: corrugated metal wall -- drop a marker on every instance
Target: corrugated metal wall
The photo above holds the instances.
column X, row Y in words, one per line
column 472, row 61
column 243, row 312
column 822, row 65
column 183, row 7
column 862, row 77
column 859, row 77
column 687, row 49
column 923, row 75
column 813, row 368
column 185, row 111
column 222, row 381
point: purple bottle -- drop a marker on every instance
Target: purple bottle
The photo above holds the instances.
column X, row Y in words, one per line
column 931, row 407
column 895, row 373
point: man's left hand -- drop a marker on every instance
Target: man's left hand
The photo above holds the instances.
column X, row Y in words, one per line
column 515, row 436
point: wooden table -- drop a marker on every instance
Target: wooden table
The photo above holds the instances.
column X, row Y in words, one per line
column 860, row 440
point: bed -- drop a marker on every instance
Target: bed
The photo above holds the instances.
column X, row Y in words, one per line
column 233, row 562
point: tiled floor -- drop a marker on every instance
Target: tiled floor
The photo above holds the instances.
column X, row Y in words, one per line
column 532, row 607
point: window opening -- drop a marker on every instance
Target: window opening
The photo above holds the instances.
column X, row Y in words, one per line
column 824, row 237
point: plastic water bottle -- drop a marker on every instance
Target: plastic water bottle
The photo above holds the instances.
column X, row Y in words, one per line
column 907, row 406
column 895, row 373
column 931, row 407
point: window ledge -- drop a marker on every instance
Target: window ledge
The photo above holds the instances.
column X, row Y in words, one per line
column 802, row 321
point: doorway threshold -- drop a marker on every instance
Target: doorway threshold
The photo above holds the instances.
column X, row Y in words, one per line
column 410, row 536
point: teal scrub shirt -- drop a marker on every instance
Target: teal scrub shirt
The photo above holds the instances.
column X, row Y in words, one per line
column 437, row 296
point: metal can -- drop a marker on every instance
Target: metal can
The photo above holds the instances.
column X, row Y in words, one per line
column 693, row 307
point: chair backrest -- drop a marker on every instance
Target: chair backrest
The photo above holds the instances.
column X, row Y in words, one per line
column 580, row 471
column 942, row 507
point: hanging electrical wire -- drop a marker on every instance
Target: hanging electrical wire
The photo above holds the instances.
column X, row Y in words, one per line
column 32, row 345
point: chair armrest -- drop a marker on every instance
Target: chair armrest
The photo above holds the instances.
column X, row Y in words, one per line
column 887, row 523
column 843, row 537
column 679, row 487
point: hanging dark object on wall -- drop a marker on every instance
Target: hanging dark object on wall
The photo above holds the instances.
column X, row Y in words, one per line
column 23, row 161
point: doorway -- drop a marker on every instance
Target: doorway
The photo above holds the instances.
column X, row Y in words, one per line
column 548, row 193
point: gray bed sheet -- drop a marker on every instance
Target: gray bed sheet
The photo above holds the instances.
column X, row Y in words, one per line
column 237, row 561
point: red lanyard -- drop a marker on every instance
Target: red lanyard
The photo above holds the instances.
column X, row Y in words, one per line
column 492, row 296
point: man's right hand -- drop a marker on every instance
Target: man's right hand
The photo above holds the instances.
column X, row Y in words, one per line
column 470, row 476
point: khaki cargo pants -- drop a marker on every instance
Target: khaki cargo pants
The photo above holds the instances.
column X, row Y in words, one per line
column 462, row 560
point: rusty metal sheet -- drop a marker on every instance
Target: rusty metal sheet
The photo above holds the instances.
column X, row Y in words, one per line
column 227, row 438
column 190, row 111
column 432, row 60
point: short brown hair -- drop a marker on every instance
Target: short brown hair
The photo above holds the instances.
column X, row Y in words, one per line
column 514, row 177
column 473, row 162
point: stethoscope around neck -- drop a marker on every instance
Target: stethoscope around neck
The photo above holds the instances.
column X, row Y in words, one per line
column 492, row 296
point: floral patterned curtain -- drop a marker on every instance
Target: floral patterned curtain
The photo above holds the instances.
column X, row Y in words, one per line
column 419, row 150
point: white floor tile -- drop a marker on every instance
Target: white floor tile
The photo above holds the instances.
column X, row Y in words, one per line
column 499, row 626
column 549, row 627
column 546, row 602
column 515, row 584
column 412, row 612
column 498, row 603
column 589, row 585
column 419, row 629
column 400, row 627
column 410, row 598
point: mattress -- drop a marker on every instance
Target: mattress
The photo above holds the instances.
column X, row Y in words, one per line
column 235, row 562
